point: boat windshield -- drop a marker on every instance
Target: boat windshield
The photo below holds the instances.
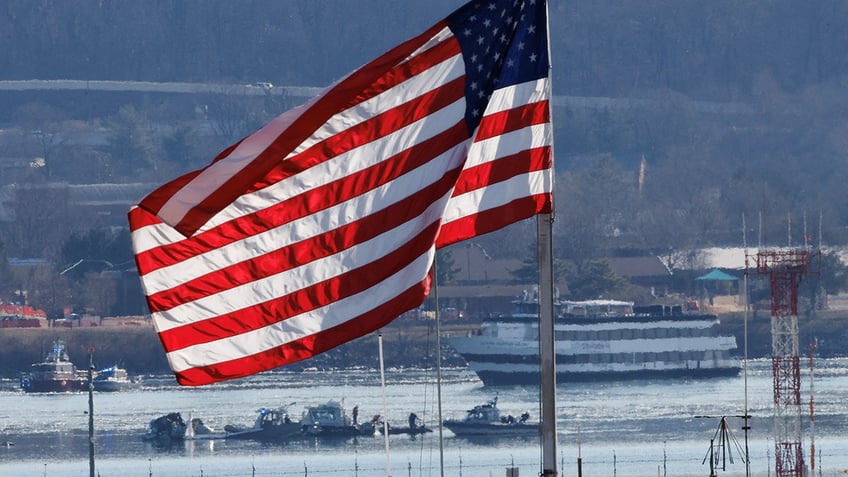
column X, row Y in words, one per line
column 597, row 308
column 526, row 308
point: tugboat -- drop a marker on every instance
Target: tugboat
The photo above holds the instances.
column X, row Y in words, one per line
column 486, row 420
column 56, row 374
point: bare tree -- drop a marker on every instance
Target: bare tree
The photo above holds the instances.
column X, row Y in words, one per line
column 594, row 211
column 41, row 219
column 100, row 293
column 132, row 144
column 48, row 290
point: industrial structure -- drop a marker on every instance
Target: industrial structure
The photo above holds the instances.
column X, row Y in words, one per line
column 785, row 268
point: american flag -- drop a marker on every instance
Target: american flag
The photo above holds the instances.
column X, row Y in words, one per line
column 322, row 226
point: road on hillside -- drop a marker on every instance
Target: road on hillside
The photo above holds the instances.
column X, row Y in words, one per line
column 574, row 102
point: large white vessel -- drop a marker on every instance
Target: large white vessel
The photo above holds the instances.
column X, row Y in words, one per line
column 599, row 340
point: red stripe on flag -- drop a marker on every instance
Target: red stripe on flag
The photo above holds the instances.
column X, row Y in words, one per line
column 513, row 119
column 139, row 218
column 488, row 173
column 310, row 345
column 493, row 219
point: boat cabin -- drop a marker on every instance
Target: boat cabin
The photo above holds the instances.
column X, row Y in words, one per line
column 330, row 414
column 273, row 417
column 596, row 308
column 484, row 412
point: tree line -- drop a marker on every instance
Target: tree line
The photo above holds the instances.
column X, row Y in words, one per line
column 707, row 50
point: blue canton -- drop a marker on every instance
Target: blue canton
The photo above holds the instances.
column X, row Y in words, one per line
column 504, row 42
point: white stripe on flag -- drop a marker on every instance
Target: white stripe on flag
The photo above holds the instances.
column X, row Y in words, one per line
column 495, row 195
column 300, row 326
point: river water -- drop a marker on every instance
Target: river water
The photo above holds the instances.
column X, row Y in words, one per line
column 639, row 428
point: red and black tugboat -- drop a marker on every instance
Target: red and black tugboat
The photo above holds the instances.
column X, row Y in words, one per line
column 56, row 374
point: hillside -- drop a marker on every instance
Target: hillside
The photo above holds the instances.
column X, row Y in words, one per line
column 719, row 50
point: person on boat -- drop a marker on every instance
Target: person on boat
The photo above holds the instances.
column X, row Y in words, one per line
column 355, row 414
column 413, row 421
column 524, row 417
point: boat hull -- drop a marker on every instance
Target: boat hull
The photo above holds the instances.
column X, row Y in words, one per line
column 114, row 379
column 464, row 429
column 412, row 431
column 276, row 433
column 114, row 386
column 496, row 378
column 55, row 385
column 333, row 432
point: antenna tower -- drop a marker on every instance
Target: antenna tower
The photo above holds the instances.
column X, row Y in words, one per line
column 785, row 268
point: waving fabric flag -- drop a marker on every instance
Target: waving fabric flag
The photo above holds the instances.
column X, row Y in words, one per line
column 322, row 226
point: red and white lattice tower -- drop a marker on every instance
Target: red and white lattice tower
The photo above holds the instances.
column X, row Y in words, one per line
column 785, row 268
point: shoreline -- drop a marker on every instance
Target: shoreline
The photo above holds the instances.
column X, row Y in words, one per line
column 407, row 343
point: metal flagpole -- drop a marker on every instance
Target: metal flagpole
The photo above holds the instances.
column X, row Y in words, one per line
column 91, row 411
column 385, row 416
column 547, row 352
column 546, row 346
column 438, row 364
column 746, row 416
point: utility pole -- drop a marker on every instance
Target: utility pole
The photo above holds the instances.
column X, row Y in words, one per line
column 90, row 411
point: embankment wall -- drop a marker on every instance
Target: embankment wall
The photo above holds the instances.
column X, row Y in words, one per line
column 139, row 351
column 405, row 344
